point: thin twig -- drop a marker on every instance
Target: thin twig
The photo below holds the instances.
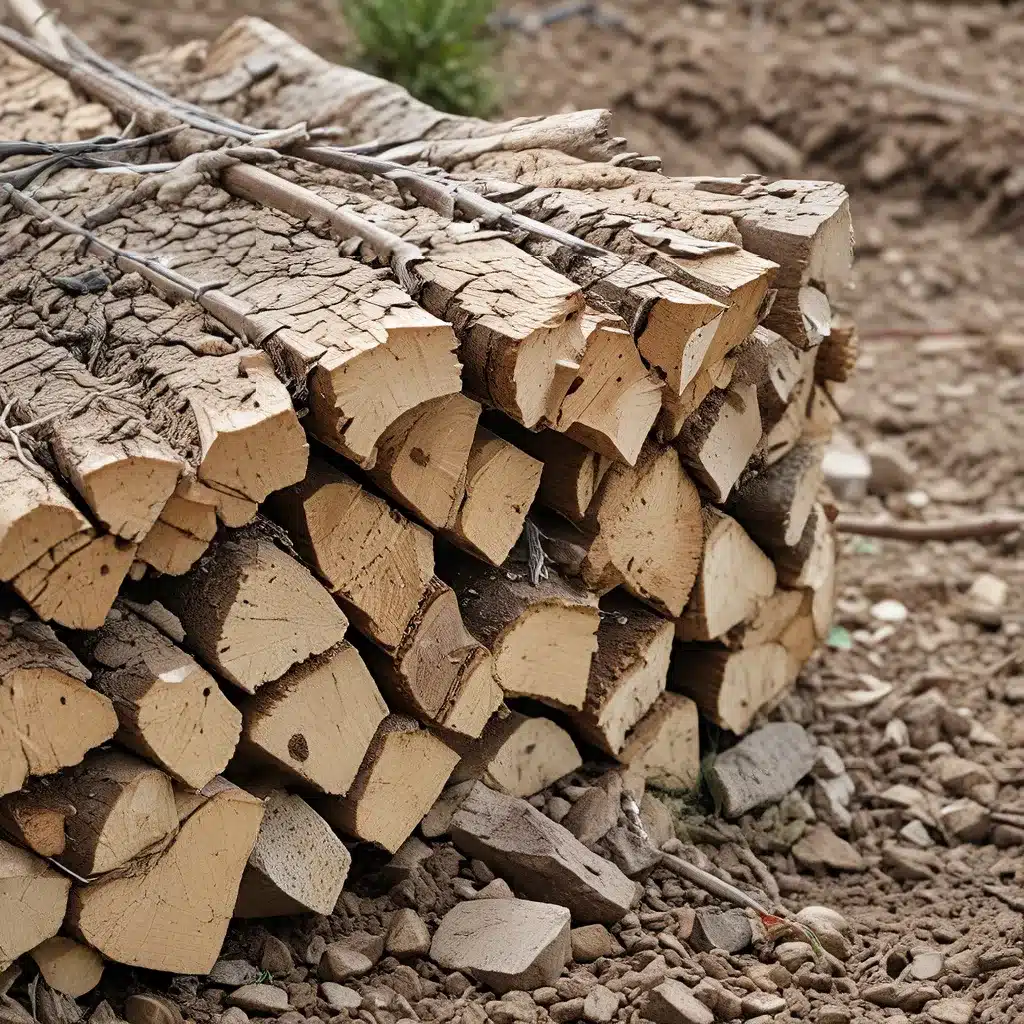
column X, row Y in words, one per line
column 996, row 525
column 41, row 23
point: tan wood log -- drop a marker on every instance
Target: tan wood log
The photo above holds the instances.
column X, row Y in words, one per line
column 730, row 687
column 438, row 671
column 298, row 865
column 49, row 718
column 837, row 354
column 517, row 754
column 779, row 370
column 735, row 578
column 170, row 710
column 628, row 673
column 375, row 561
column 422, row 458
column 614, row 399
column 542, row 635
column 315, row 722
column 808, row 563
column 34, row 818
column 122, row 807
column 677, row 409
column 774, row 505
column 501, row 483
column 372, row 107
column 664, row 746
column 791, row 426
column 823, row 416
column 768, row 622
column 67, row 966
column 717, row 441
column 76, row 582
column 402, row 775
column 33, row 899
column 800, row 639
column 35, row 516
column 170, row 911
column 250, row 610
column 98, row 439
column 183, row 531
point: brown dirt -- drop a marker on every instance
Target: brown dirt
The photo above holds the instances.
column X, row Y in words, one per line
column 937, row 187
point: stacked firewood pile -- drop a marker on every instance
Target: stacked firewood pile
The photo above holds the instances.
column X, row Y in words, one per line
column 323, row 441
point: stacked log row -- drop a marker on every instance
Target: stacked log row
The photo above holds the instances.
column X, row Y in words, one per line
column 319, row 494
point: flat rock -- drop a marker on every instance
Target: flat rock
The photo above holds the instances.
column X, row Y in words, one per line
column 592, row 815
column 341, row 962
column 821, row 847
column 496, row 890
column 907, row 864
column 952, row 1010
column 762, row 768
column 540, row 858
column 967, row 820
column 716, row 929
column 600, row 1005
column 673, row 1003
column 148, row 1009
column 591, row 942
column 816, row 916
column 757, row 1003
column 407, row 935
column 505, row 944
column 264, row 1000
column 631, row 853
column 233, row 973
column 438, row 819
column 340, row 997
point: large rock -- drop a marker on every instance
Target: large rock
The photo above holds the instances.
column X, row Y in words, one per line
column 540, row 858
column 505, row 944
column 673, row 1003
column 762, row 768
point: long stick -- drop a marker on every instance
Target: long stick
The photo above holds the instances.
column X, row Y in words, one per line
column 996, row 525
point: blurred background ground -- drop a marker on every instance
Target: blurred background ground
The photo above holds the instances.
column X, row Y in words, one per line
column 919, row 108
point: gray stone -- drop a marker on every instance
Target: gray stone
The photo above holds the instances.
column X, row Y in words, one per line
column 264, row 1000
column 793, row 955
column 817, row 916
column 591, row 942
column 232, row 1015
column 592, row 815
column 340, row 997
column 233, row 973
column 927, row 965
column 917, row 833
column 407, row 935
column 833, row 1015
column 892, row 470
column 504, row 944
column 767, row 1003
column 952, row 1010
column 546, row 995
column 673, row 1003
column 568, row 1011
column 276, row 957
column 497, row 890
column 821, row 847
column 557, row 808
column 371, row 946
column 438, row 819
column 631, row 853
column 965, row 963
column 540, row 858
column 906, row 864
column 341, row 962
column 964, row 819
column 657, row 820
column 828, row 764
column 715, row 929
column 762, row 768
column 999, row 960
column 408, row 857
column 600, row 1005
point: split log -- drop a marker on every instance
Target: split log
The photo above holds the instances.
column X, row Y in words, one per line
column 122, row 807
column 822, row 415
column 808, row 562
column 799, row 639
column 717, row 441
column 768, row 622
column 501, row 483
column 76, row 582
column 315, row 722
column 837, row 354
column 541, row 635
column 677, row 409
column 438, row 671
column 49, row 718
column 792, row 424
column 516, row 754
column 730, row 687
column 628, row 673
column 251, row 611
column 34, row 818
column 171, row 711
column 614, row 399
column 664, row 746
column 375, row 561
column 422, row 458
column 298, row 865
column 170, row 911
column 68, row 966
column 401, row 776
column 774, row 505
column 778, row 368
column 33, row 899
column 36, row 515
column 735, row 577
column 185, row 528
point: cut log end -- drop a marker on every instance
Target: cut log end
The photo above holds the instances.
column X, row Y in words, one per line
column 664, row 746
column 33, row 900
column 68, row 966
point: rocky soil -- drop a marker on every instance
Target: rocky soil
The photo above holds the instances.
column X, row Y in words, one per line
column 908, row 821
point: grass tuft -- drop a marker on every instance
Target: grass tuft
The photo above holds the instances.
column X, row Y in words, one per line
column 440, row 50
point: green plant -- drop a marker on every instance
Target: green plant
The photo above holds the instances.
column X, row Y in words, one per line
column 440, row 50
